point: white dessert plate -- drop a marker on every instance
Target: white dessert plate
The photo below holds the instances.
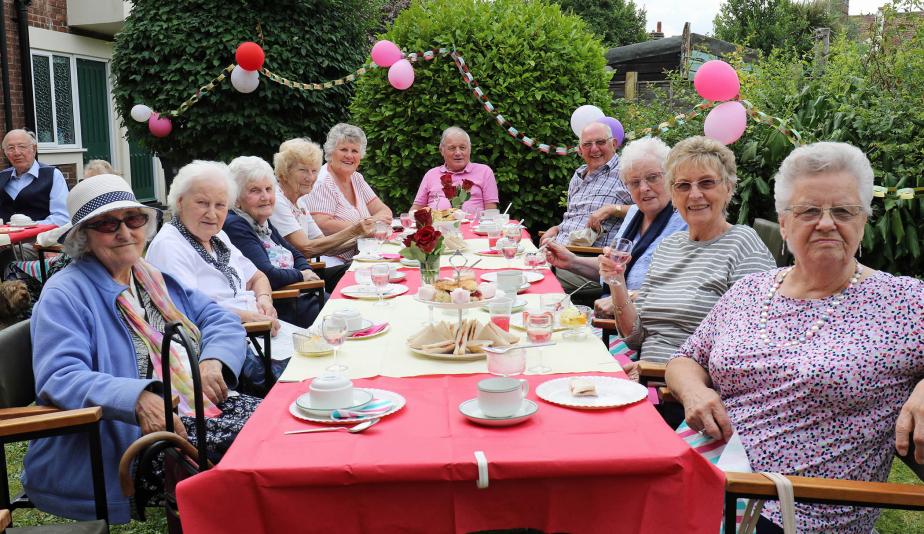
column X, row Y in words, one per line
column 360, row 397
column 473, row 413
column 453, row 305
column 396, row 399
column 469, row 357
column 611, row 392
column 370, row 293
column 531, row 276
column 516, row 320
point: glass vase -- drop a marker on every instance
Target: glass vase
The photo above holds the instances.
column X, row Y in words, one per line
column 430, row 269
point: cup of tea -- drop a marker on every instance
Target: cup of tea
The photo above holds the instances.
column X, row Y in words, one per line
column 352, row 318
column 501, row 396
column 512, row 362
column 509, row 281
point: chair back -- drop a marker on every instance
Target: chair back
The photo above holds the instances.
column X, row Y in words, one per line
column 17, row 383
column 769, row 233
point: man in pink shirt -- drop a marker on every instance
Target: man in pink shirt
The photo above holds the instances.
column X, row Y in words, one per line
column 456, row 148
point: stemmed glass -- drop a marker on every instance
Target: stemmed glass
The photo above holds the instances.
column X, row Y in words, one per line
column 406, row 221
column 380, row 275
column 513, row 232
column 381, row 232
column 620, row 253
column 508, row 248
column 534, row 260
column 334, row 330
column 539, row 330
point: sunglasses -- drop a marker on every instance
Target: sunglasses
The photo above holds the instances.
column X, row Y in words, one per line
column 702, row 185
column 110, row 225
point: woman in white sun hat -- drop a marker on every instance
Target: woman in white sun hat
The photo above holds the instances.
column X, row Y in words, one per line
column 96, row 333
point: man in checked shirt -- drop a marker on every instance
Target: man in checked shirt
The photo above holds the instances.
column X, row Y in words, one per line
column 597, row 198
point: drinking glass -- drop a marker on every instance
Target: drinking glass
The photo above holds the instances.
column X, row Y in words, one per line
column 380, row 275
column 513, row 232
column 553, row 303
column 508, row 248
column 576, row 319
column 494, row 233
column 334, row 330
column 363, row 276
column 406, row 221
column 621, row 253
column 510, row 363
column 500, row 309
column 534, row 260
column 382, row 231
column 539, row 330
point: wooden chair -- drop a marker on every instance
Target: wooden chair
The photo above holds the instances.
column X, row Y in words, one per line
column 580, row 251
column 807, row 489
column 43, row 253
column 21, row 422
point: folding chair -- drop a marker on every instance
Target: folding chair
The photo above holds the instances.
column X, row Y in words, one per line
column 21, row 422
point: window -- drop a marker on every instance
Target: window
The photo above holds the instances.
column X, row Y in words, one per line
column 53, row 89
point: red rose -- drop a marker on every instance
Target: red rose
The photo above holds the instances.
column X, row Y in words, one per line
column 423, row 217
column 467, row 184
column 449, row 192
column 408, row 241
column 426, row 239
column 446, row 180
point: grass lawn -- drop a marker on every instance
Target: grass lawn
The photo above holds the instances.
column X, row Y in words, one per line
column 890, row 522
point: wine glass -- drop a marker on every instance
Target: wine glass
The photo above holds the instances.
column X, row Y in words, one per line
column 508, row 248
column 406, row 221
column 539, row 330
column 534, row 260
column 620, row 253
column 334, row 330
column 513, row 233
column 380, row 275
column 382, row 230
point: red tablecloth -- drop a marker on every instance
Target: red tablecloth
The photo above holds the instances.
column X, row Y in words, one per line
column 28, row 233
column 564, row 470
column 549, row 284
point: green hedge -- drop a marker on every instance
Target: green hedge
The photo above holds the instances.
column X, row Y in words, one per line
column 535, row 64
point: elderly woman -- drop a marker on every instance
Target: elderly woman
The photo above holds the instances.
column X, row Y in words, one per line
column 649, row 220
column 342, row 197
column 96, row 331
column 690, row 270
column 249, row 228
column 457, row 167
column 813, row 364
column 297, row 164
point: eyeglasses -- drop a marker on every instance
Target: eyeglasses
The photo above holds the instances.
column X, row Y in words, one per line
column 650, row 179
column 110, row 225
column 17, row 148
column 812, row 214
column 599, row 142
column 703, row 185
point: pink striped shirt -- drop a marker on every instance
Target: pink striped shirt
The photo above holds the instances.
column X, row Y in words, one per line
column 326, row 199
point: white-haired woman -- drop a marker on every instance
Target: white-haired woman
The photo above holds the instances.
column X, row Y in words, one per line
column 249, row 228
column 649, row 220
column 97, row 332
column 816, row 366
column 691, row 269
column 341, row 196
column 297, row 165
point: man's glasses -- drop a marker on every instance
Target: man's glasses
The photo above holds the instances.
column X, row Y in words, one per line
column 703, row 185
column 110, row 225
column 813, row 214
column 599, row 142
column 17, row 148
column 650, row 179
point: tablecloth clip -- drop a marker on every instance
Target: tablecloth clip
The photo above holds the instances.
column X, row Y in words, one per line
column 482, row 461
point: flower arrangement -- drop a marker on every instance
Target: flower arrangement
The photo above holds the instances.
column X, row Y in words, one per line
column 425, row 245
column 456, row 194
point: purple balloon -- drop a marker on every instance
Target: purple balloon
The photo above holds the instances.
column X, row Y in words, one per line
column 619, row 134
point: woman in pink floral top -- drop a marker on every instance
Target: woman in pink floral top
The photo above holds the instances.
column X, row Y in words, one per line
column 815, row 366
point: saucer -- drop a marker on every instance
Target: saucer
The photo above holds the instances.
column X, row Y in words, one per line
column 365, row 324
column 360, row 398
column 397, row 400
column 367, row 257
column 530, row 276
column 407, row 262
column 473, row 413
column 517, row 306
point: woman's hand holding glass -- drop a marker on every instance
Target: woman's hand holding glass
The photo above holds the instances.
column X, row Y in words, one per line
column 614, row 260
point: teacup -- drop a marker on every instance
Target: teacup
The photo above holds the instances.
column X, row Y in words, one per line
column 352, row 318
column 367, row 246
column 488, row 214
column 501, row 397
column 331, row 391
column 509, row 281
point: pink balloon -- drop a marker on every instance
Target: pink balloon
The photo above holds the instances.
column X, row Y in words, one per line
column 726, row 122
column 385, row 53
column 159, row 127
column 401, row 74
column 716, row 80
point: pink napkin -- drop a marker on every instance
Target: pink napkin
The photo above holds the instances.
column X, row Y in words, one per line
column 490, row 252
column 374, row 329
column 373, row 408
column 390, row 256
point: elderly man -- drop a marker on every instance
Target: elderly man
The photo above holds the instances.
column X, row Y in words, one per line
column 456, row 149
column 595, row 187
column 29, row 187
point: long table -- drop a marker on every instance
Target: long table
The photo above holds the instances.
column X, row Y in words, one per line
column 618, row 470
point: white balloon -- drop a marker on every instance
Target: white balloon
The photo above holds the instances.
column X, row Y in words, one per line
column 141, row 113
column 245, row 81
column 583, row 116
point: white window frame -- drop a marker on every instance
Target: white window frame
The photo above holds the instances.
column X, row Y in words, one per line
column 75, row 100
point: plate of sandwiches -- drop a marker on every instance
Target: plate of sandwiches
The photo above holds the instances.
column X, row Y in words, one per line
column 444, row 341
column 452, row 244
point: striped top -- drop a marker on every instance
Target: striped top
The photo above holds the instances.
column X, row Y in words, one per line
column 326, row 198
column 588, row 192
column 685, row 280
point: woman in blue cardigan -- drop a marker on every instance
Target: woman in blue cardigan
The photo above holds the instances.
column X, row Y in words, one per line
column 250, row 230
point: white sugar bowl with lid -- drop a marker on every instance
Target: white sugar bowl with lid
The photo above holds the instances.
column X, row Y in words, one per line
column 331, row 391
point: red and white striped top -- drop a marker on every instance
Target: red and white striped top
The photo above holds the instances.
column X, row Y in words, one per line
column 326, row 199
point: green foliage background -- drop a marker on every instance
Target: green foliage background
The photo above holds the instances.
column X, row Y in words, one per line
column 616, row 22
column 534, row 63
column 769, row 25
column 170, row 48
column 869, row 94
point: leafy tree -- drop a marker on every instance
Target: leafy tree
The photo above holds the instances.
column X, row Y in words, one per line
column 616, row 22
column 773, row 24
column 170, row 48
column 536, row 64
